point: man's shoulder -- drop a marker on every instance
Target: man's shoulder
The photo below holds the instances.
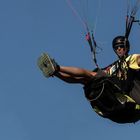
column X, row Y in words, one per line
column 133, row 55
column 132, row 59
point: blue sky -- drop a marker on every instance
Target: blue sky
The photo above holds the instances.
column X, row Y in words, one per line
column 33, row 107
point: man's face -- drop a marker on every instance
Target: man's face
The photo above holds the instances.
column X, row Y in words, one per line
column 120, row 50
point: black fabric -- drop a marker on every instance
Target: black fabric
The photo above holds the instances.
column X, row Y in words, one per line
column 131, row 85
column 101, row 92
column 127, row 114
column 134, row 85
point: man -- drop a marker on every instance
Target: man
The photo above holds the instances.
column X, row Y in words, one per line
column 78, row 75
column 127, row 68
column 109, row 89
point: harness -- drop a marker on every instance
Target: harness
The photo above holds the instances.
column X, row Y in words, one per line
column 109, row 101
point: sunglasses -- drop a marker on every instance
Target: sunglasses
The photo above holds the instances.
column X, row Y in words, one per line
column 118, row 46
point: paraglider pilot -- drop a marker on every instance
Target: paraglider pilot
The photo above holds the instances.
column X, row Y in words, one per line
column 114, row 91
